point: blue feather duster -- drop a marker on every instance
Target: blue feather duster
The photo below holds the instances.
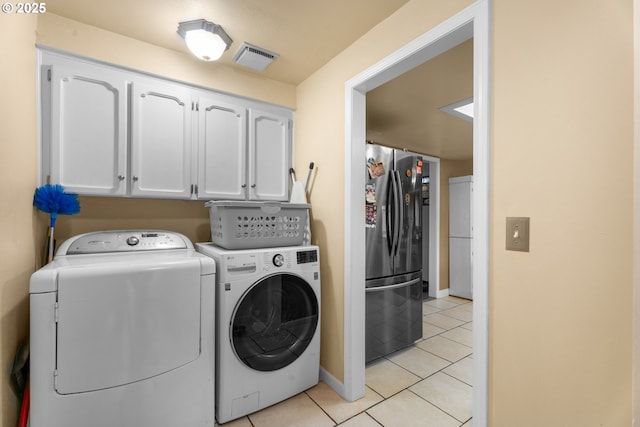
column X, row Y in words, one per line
column 52, row 199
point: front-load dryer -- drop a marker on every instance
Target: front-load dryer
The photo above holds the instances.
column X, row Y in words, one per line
column 268, row 326
column 122, row 333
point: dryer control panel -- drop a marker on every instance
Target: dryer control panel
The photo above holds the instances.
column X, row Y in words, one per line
column 124, row 241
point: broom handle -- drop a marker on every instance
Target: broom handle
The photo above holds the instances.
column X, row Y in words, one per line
column 50, row 258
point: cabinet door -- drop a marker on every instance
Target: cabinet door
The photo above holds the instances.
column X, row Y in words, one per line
column 460, row 267
column 88, row 114
column 269, row 156
column 161, row 140
column 460, row 215
column 221, row 150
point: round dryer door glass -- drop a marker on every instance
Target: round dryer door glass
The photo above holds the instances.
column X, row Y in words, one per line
column 274, row 322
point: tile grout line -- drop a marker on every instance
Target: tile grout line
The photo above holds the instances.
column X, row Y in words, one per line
column 431, row 403
column 335, row 422
column 455, row 378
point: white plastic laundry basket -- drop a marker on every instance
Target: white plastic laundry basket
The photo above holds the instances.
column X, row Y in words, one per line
column 249, row 225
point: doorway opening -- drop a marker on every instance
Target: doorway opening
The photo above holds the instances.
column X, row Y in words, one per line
column 472, row 22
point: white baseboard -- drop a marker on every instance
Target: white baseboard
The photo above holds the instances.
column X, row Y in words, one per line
column 332, row 382
column 441, row 293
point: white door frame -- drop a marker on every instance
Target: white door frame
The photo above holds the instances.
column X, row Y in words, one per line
column 434, row 225
column 635, row 369
column 471, row 22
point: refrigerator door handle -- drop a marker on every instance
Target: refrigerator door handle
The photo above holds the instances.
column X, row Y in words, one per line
column 396, row 212
column 399, row 207
column 390, row 211
column 394, row 286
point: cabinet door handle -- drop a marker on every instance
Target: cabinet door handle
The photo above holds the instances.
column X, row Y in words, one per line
column 162, row 95
column 121, row 177
column 253, row 186
column 135, row 178
column 244, row 186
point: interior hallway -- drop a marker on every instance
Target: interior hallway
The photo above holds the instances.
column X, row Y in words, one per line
column 428, row 384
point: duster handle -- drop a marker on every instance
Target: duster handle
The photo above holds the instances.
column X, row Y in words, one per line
column 50, row 256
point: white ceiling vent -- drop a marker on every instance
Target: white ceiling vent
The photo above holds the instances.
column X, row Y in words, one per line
column 254, row 57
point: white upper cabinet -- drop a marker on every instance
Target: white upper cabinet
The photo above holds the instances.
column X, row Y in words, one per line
column 87, row 151
column 108, row 131
column 232, row 167
column 161, row 140
column 269, row 158
column 222, row 153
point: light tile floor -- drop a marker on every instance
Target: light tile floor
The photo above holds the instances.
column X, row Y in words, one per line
column 428, row 384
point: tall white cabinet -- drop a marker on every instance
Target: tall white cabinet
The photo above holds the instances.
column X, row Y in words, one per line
column 460, row 237
column 108, row 131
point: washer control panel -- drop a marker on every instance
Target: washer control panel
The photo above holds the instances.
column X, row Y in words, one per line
column 288, row 258
column 245, row 262
column 278, row 260
column 124, row 241
column 307, row 256
column 273, row 261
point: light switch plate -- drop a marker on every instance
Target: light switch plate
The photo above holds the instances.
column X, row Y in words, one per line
column 518, row 234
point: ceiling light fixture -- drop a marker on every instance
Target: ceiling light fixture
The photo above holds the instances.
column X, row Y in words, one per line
column 206, row 40
column 462, row 109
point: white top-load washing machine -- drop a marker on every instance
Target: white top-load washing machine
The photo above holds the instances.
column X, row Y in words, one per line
column 267, row 326
column 122, row 326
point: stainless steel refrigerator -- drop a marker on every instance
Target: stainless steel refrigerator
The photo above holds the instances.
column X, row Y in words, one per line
column 393, row 250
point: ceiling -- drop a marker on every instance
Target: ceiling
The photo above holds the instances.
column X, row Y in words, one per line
column 405, row 112
column 307, row 34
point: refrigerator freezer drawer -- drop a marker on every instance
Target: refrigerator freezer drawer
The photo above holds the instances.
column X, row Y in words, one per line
column 393, row 318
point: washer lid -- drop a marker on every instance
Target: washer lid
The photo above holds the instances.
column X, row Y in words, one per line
column 120, row 325
column 123, row 241
column 46, row 278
